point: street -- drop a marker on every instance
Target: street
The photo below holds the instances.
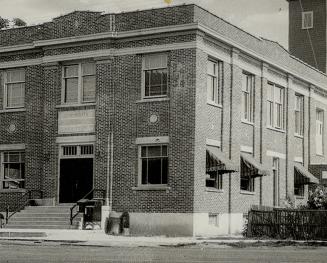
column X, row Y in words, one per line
column 56, row 252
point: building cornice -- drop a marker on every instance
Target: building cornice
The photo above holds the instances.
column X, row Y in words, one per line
column 116, row 35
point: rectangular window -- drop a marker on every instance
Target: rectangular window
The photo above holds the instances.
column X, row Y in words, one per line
column 79, row 83
column 155, row 74
column 275, row 168
column 13, row 170
column 214, row 220
column 247, row 181
column 247, row 97
column 154, row 165
column 214, row 82
column 298, row 183
column 298, row 112
column 14, row 88
column 307, row 20
column 214, row 177
column 275, row 106
column 319, row 131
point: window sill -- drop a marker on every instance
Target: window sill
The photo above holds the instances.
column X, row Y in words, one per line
column 13, row 110
column 299, row 197
column 247, row 122
column 12, row 190
column 75, row 105
column 298, row 136
column 275, row 129
column 244, row 192
column 214, row 104
column 215, row 190
column 320, row 154
column 144, row 100
column 151, row 188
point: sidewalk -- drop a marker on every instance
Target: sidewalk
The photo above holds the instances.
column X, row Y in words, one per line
column 99, row 239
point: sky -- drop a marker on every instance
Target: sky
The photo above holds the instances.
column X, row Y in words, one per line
column 265, row 18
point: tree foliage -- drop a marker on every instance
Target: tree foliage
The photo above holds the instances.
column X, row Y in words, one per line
column 19, row 22
column 4, row 23
column 318, row 198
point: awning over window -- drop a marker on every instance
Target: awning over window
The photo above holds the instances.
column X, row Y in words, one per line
column 306, row 177
column 257, row 169
column 217, row 162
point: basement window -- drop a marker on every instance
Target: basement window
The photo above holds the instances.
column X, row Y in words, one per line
column 214, row 219
column 307, row 20
column 13, row 170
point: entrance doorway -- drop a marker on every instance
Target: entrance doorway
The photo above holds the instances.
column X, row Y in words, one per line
column 76, row 173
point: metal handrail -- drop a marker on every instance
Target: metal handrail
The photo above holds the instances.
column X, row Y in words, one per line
column 26, row 203
column 72, row 216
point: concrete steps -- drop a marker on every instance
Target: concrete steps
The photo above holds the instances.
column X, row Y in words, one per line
column 43, row 217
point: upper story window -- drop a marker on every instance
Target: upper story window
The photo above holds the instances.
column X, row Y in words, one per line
column 13, row 170
column 319, row 131
column 155, row 74
column 307, row 20
column 79, row 83
column 275, row 106
column 247, row 97
column 14, row 88
column 153, row 161
column 214, row 82
column 298, row 112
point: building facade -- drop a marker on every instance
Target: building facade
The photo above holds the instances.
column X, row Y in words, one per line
column 183, row 120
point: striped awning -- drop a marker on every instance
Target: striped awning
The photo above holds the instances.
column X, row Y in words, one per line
column 216, row 161
column 303, row 176
column 255, row 169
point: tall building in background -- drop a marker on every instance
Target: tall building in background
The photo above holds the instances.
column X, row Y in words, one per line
column 308, row 31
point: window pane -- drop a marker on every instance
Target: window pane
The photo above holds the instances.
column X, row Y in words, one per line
column 89, row 88
column 16, row 76
column 88, row 69
column 154, row 173
column 144, row 171
column 14, row 157
column 211, row 69
column 71, row 90
column 164, row 170
column 154, row 151
column 15, row 95
column 270, row 92
column 164, row 151
column 12, row 171
column 71, row 71
column 155, row 61
column 143, row 151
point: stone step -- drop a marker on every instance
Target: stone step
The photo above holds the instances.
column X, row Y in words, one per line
column 41, row 219
column 38, row 223
column 67, row 226
column 47, row 209
column 37, row 214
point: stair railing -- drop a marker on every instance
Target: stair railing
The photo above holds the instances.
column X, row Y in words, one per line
column 72, row 214
column 27, row 195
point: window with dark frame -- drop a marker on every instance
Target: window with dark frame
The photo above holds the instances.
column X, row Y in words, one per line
column 247, row 97
column 79, row 83
column 155, row 72
column 154, row 165
column 214, row 81
column 14, row 84
column 247, row 180
column 298, row 183
column 13, row 167
column 307, row 20
column 214, row 179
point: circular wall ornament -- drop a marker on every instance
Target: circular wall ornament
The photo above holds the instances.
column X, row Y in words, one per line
column 12, row 128
column 153, row 118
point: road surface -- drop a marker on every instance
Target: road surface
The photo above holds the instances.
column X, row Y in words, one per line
column 56, row 252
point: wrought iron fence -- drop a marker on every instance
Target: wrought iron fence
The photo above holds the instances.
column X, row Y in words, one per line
column 287, row 224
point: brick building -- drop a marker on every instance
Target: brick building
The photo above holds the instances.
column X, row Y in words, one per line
column 183, row 119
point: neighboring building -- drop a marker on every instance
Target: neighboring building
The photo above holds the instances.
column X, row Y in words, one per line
column 184, row 120
column 308, row 42
column 308, row 31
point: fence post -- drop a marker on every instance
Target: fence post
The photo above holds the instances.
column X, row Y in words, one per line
column 7, row 214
